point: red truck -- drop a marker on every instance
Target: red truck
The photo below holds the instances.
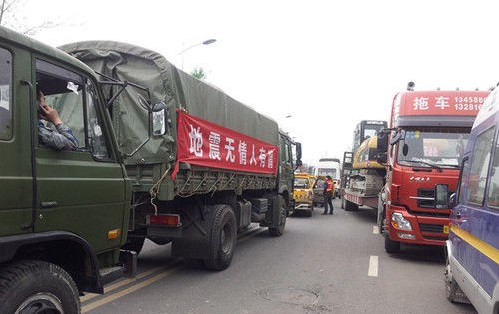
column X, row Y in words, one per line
column 424, row 147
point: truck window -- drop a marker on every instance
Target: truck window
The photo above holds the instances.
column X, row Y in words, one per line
column 463, row 181
column 479, row 166
column 493, row 195
column 97, row 141
column 444, row 148
column 74, row 98
column 5, row 99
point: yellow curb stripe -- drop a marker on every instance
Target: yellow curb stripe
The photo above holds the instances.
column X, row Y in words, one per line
column 91, row 306
column 482, row 246
column 120, row 284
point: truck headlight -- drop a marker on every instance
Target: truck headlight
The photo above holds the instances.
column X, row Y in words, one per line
column 398, row 221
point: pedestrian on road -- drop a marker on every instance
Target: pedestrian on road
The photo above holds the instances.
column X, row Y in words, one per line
column 328, row 195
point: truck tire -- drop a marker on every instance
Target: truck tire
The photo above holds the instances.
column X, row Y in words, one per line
column 222, row 241
column 391, row 246
column 37, row 287
column 279, row 229
column 134, row 244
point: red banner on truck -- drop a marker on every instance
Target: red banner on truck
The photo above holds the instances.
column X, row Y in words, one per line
column 204, row 143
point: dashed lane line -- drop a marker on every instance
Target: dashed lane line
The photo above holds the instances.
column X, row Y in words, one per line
column 373, row 266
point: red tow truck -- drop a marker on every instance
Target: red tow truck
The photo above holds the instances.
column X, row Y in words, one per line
column 424, row 146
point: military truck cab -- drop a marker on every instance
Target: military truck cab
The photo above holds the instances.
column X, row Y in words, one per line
column 473, row 245
column 64, row 212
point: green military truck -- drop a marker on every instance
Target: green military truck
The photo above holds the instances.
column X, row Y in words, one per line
column 209, row 166
column 63, row 214
column 161, row 155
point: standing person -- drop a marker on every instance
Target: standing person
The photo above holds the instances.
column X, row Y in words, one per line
column 328, row 195
column 62, row 137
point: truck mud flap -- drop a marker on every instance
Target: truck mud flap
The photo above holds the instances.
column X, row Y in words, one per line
column 193, row 241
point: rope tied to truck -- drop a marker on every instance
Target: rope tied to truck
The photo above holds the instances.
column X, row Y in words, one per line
column 155, row 190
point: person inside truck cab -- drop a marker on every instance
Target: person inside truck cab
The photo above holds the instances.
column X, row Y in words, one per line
column 60, row 138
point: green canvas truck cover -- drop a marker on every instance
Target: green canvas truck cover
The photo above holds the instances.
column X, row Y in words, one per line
column 167, row 84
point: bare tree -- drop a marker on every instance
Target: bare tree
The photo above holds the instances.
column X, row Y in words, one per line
column 11, row 16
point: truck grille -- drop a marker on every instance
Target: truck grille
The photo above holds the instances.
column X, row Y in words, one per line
column 431, row 228
column 430, row 193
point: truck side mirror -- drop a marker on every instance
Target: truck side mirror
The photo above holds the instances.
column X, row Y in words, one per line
column 399, row 136
column 452, row 200
column 298, row 155
column 441, row 196
column 382, row 146
column 159, row 119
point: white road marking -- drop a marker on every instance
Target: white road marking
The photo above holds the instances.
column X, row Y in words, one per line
column 375, row 230
column 373, row 266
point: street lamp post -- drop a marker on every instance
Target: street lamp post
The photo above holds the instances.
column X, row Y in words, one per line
column 206, row 42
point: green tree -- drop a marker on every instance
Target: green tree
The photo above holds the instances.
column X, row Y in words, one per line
column 199, row 73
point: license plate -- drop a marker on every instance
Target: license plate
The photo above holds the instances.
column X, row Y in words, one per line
column 446, row 229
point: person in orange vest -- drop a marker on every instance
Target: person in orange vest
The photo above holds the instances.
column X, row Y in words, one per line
column 328, row 195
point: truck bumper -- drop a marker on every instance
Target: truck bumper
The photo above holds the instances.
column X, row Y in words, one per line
column 303, row 206
column 424, row 229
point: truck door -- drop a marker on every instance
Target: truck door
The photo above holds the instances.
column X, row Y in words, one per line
column 16, row 184
column 286, row 163
column 476, row 217
column 74, row 187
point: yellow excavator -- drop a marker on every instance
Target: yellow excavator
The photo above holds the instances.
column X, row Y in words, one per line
column 366, row 176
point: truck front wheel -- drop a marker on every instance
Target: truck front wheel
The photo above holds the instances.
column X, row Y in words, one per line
column 278, row 230
column 391, row 246
column 37, row 287
column 222, row 241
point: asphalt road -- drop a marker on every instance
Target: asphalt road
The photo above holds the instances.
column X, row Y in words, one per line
column 322, row 264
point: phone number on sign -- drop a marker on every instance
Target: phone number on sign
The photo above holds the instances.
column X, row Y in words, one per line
column 470, row 99
column 470, row 107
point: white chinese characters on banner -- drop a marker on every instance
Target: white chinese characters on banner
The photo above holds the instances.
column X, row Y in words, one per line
column 265, row 158
column 442, row 102
column 447, row 103
column 196, row 139
column 214, row 145
column 230, row 156
column 420, row 103
column 253, row 159
column 242, row 152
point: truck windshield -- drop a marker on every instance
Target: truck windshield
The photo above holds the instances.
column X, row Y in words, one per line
column 301, row 183
column 433, row 148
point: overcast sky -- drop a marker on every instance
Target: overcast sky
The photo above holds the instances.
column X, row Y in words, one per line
column 328, row 64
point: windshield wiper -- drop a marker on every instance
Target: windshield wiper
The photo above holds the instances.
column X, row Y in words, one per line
column 433, row 165
column 451, row 166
